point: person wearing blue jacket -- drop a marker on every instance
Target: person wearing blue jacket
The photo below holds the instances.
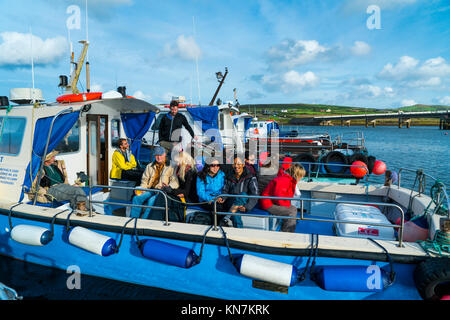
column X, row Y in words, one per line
column 210, row 182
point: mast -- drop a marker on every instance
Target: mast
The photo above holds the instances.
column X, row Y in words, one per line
column 222, row 79
column 72, row 87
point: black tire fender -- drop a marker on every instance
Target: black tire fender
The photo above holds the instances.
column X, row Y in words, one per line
column 306, row 157
column 331, row 156
column 432, row 278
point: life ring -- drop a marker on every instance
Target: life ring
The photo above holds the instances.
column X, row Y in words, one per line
column 432, row 278
column 306, row 157
column 337, row 158
column 79, row 97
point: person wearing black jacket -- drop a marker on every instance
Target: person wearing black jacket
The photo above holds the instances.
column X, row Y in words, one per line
column 171, row 122
column 240, row 182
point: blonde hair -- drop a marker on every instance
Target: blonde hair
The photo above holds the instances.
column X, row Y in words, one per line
column 183, row 160
column 296, row 171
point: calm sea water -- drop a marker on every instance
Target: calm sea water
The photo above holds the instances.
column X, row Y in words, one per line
column 427, row 148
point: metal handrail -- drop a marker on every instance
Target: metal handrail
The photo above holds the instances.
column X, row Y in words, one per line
column 128, row 204
column 400, row 232
column 430, row 176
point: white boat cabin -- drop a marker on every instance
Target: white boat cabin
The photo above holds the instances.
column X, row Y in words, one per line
column 86, row 146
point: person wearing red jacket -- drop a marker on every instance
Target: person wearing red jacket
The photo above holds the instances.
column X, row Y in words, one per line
column 283, row 186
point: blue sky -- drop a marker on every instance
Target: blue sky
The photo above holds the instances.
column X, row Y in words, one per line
column 297, row 51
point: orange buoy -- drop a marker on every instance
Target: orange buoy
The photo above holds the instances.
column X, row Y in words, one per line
column 358, row 169
column 379, row 167
column 79, row 97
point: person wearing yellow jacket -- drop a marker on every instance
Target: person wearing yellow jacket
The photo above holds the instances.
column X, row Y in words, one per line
column 124, row 166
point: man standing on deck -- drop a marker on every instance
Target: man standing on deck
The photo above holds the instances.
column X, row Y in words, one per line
column 171, row 122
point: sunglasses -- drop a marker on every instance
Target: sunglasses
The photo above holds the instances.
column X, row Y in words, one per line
column 215, row 165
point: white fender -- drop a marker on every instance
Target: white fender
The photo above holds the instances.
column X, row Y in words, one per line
column 31, row 235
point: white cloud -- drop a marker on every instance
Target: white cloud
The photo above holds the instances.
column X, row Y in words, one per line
column 185, row 48
column 445, row 101
column 372, row 91
column 435, row 67
column 296, row 80
column 96, row 88
column 403, row 69
column 360, row 48
column 15, row 49
column 290, row 53
column 431, row 82
column 289, row 81
column 410, row 72
column 408, row 102
column 140, row 95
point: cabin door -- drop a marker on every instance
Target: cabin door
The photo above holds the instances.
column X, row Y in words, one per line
column 97, row 143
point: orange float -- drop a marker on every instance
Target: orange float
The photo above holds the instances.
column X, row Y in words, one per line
column 79, row 97
column 379, row 167
column 358, row 169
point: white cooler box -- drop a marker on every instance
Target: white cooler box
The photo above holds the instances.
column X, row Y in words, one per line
column 362, row 213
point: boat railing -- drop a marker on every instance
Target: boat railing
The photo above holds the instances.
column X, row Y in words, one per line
column 358, row 140
column 421, row 185
column 303, row 218
column 166, row 207
column 315, row 173
column 215, row 212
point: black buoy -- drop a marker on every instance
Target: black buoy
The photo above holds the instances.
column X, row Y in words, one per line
column 63, row 81
column 123, row 91
column 4, row 101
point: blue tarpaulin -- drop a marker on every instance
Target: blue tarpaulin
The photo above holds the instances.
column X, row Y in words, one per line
column 208, row 118
column 63, row 123
column 136, row 126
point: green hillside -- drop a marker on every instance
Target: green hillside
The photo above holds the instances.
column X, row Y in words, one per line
column 284, row 112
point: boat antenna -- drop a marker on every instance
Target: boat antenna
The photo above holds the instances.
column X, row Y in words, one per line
column 88, row 86
column 196, row 63
column 32, row 64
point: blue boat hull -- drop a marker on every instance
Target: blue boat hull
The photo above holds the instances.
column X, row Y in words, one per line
column 215, row 276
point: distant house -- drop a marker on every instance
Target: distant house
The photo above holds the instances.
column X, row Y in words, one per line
column 328, row 110
column 284, row 110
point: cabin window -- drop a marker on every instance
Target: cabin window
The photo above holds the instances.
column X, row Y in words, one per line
column 71, row 142
column 12, row 130
column 221, row 122
column 115, row 132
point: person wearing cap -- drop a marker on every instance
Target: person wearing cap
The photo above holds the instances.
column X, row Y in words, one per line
column 124, row 166
column 171, row 122
column 55, row 184
column 157, row 175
